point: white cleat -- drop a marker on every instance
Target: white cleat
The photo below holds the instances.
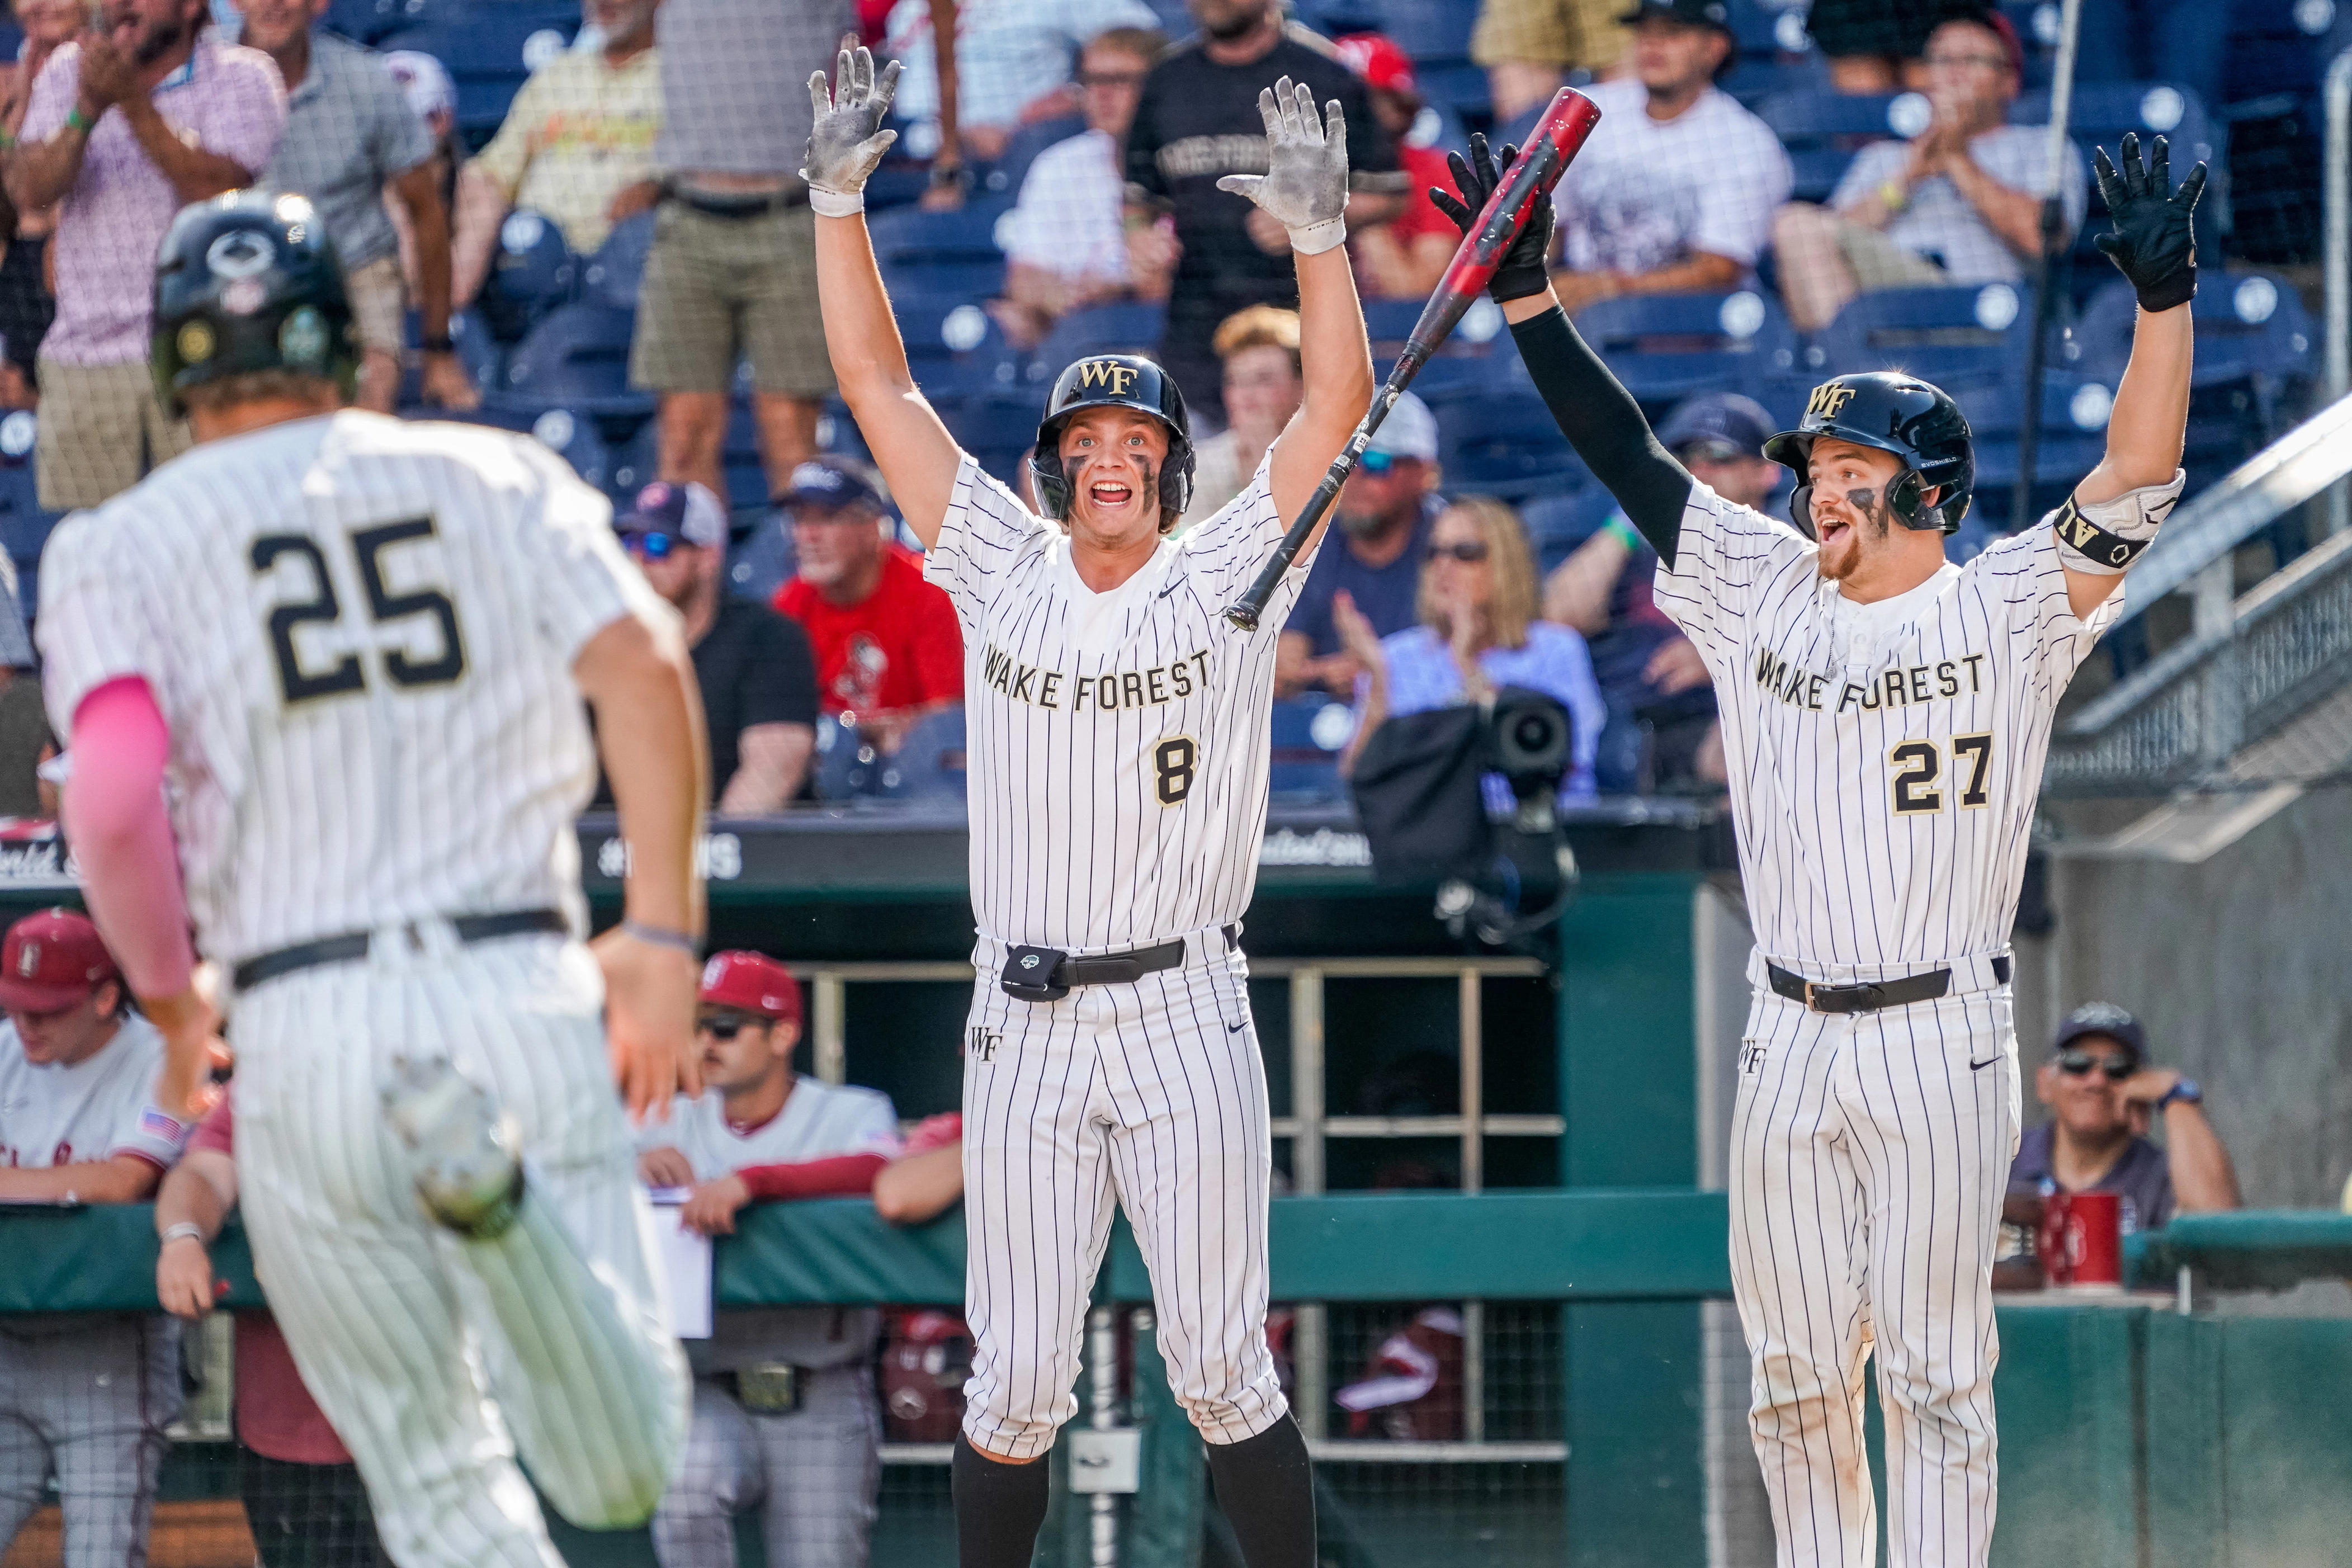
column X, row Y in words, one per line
column 469, row 1166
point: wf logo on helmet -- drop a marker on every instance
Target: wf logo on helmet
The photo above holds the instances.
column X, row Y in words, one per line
column 1106, row 372
column 1827, row 399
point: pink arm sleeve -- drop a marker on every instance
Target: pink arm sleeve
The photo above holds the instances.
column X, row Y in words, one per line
column 115, row 820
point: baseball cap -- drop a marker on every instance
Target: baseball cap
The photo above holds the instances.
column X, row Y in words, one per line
column 1409, row 431
column 752, row 982
column 1377, row 58
column 1713, row 13
column 52, row 960
column 689, row 511
column 423, row 81
column 2103, row 1018
column 1718, row 416
column 829, row 483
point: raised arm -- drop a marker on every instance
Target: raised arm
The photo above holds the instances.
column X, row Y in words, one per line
column 914, row 450
column 1592, row 408
column 1305, row 188
column 2154, row 245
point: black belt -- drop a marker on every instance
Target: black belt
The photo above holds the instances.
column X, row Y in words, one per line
column 1869, row 996
column 354, row 945
column 1046, row 974
column 749, row 205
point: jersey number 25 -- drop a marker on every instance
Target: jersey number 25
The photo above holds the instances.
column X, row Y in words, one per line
column 297, row 684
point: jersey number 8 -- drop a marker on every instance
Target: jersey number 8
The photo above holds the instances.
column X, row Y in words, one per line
column 296, row 684
column 1176, row 760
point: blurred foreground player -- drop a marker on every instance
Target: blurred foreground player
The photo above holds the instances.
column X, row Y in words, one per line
column 1118, row 784
column 1886, row 714
column 357, row 650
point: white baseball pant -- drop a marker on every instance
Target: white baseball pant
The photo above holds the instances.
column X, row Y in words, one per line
column 425, row 1351
column 85, row 1401
column 1869, row 1155
column 1150, row 1096
column 812, row 1474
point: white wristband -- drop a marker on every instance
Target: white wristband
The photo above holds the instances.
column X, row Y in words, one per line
column 186, row 1230
column 836, row 203
column 1317, row 238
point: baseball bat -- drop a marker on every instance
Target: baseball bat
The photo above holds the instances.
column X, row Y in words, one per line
column 1558, row 137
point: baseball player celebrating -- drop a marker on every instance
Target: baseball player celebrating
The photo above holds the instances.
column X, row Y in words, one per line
column 784, row 1414
column 356, row 649
column 1886, row 715
column 1119, row 746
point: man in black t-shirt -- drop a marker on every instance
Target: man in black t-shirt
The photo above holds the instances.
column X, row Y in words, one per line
column 758, row 677
column 1199, row 120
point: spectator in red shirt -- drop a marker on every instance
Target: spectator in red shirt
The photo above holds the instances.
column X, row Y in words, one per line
column 1403, row 258
column 888, row 651
column 302, row 1493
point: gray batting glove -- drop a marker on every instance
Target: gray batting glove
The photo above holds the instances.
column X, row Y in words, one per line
column 847, row 141
column 1305, row 187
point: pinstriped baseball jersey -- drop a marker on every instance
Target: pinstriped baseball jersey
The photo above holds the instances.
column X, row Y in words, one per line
column 362, row 633
column 92, row 1110
column 1118, row 743
column 1885, row 759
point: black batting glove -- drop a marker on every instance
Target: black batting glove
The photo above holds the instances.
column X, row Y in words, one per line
column 1522, row 271
column 2154, row 243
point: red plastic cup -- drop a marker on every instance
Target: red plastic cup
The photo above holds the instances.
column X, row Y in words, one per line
column 2081, row 1244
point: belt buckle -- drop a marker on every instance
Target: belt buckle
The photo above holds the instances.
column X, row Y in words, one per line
column 1810, row 1007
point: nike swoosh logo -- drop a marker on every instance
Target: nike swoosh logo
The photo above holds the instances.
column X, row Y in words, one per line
column 1979, row 1066
column 1235, row 1028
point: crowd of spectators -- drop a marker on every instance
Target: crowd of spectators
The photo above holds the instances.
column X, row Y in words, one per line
column 788, row 1415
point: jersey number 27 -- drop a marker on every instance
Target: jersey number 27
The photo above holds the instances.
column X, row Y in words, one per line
column 297, row 684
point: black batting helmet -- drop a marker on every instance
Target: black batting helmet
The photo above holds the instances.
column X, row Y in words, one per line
column 1114, row 381
column 1898, row 414
column 246, row 282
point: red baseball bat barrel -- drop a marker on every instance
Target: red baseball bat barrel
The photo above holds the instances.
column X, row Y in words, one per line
column 1557, row 138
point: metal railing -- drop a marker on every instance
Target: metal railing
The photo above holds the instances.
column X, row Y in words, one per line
column 1308, row 1130
column 2251, row 663
column 2337, row 214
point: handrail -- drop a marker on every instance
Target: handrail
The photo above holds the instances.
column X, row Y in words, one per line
column 2286, row 473
column 2337, row 181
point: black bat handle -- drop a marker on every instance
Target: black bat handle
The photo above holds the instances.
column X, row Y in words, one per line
column 1243, row 612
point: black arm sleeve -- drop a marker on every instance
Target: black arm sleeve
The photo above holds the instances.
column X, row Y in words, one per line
column 1605, row 426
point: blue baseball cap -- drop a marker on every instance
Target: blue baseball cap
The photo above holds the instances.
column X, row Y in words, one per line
column 830, row 483
column 2103, row 1018
column 1718, row 416
column 688, row 511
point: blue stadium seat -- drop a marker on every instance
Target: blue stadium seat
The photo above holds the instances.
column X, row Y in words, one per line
column 2073, row 439
column 929, row 764
column 955, row 349
column 2251, row 326
column 1559, row 524
column 1430, row 29
column 610, row 277
column 1823, row 130
column 1004, row 177
column 969, row 280
column 24, row 526
column 910, row 236
column 573, row 436
column 739, row 457
column 1476, row 355
column 1666, row 347
column 1308, row 733
column 761, row 560
column 837, row 431
column 1504, row 444
column 996, row 427
column 1101, row 329
column 489, row 50
column 578, row 358
column 477, row 351
column 532, row 273
column 1949, row 336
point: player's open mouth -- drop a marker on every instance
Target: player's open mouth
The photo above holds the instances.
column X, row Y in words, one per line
column 1110, row 492
column 1830, row 528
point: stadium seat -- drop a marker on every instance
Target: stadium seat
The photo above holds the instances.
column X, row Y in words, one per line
column 1823, row 130
column 1429, row 29
column 489, row 50
column 610, row 277
column 1666, row 347
column 996, row 427
column 955, row 347
column 578, row 358
column 1004, row 177
column 971, row 280
column 1951, row 336
column 1557, row 524
column 2250, row 327
column 1474, row 357
column 572, row 436
column 2072, row 439
column 532, row 273
column 1504, row 444
column 24, row 526
column 910, row 236
column 761, row 560
column 1098, row 330
column 477, row 351
column 1308, row 733
column 928, row 763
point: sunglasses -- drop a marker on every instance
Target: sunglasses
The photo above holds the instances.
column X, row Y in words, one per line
column 1711, row 451
column 1376, row 462
column 1470, row 552
column 726, row 1025
column 650, row 545
column 2075, row 1064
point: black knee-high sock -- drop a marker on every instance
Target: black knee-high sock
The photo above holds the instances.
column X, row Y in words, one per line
column 1268, row 1490
column 998, row 1509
